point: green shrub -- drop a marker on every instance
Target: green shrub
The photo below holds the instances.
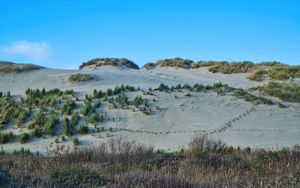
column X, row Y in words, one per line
column 94, row 118
column 68, row 107
column 176, row 62
column 252, row 98
column 234, row 67
column 68, row 129
column 86, row 108
column 257, row 75
column 138, row 100
column 36, row 132
column 83, row 129
column 22, row 117
column 75, row 141
column 163, row 87
column 284, row 91
column 24, row 138
column 75, row 118
column 6, row 137
column 284, row 72
column 79, row 77
column 50, row 123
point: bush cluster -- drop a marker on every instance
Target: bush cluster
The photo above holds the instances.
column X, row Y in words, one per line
column 284, row 91
column 120, row 163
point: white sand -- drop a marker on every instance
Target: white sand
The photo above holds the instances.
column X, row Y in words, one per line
column 177, row 120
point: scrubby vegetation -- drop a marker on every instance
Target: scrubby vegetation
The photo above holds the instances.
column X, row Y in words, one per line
column 257, row 75
column 285, row 91
column 284, row 72
column 98, row 62
column 234, row 67
column 44, row 112
column 149, row 66
column 24, row 137
column 176, row 62
column 207, row 64
column 252, row 98
column 79, row 77
column 119, row 163
column 5, row 137
column 9, row 67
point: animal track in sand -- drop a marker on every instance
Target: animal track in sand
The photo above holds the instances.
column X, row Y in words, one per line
column 227, row 125
column 234, row 120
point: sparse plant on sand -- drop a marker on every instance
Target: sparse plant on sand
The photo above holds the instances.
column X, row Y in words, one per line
column 79, row 77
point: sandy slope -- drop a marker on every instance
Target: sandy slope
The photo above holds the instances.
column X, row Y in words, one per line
column 177, row 118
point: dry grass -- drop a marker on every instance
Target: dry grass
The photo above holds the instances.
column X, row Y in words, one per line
column 119, row 163
column 9, row 67
column 79, row 77
column 234, row 67
column 98, row 62
column 257, row 75
column 176, row 62
column 284, row 72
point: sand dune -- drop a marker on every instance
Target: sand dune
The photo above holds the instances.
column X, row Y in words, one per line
column 177, row 118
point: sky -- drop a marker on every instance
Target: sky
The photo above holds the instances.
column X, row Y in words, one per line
column 66, row 33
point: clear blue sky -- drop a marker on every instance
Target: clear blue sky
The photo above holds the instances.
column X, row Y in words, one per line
column 65, row 33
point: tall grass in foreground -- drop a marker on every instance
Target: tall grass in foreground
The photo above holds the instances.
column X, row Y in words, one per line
column 120, row 163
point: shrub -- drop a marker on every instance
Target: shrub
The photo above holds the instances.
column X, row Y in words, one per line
column 83, row 129
column 36, row 132
column 122, row 99
column 75, row 118
column 22, row 117
column 207, row 64
column 98, row 62
column 79, row 77
column 68, row 129
column 94, row 118
column 138, row 100
column 76, row 177
column 50, row 123
column 75, row 141
column 24, row 138
column 68, row 107
column 6, row 137
column 257, row 75
column 234, row 67
column 109, row 92
column 163, row 87
column 86, row 108
column 252, row 98
column 176, row 62
column 284, row 91
column 284, row 72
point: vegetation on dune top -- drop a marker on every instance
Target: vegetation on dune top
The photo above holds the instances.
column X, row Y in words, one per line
column 175, row 62
column 10, row 67
column 257, row 75
column 98, row 62
column 234, row 67
column 284, row 72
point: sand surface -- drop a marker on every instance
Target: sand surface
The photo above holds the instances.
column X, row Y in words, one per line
column 176, row 118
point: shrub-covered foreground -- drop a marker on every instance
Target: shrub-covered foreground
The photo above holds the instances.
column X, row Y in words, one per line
column 120, row 163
